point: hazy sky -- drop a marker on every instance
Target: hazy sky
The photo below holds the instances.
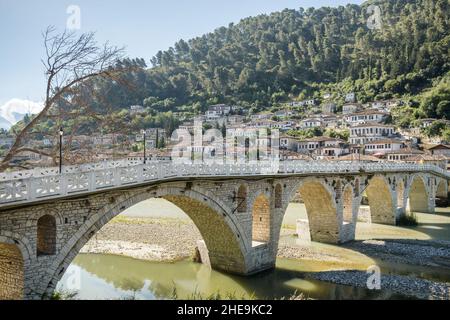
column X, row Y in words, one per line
column 144, row 27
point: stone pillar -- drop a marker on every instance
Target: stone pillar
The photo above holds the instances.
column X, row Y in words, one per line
column 382, row 207
column 419, row 197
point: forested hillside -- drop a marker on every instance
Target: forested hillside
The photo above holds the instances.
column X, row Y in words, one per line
column 268, row 57
column 294, row 54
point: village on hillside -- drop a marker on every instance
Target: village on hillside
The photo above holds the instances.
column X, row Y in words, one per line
column 308, row 130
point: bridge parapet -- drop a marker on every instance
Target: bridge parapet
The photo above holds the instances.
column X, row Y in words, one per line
column 47, row 183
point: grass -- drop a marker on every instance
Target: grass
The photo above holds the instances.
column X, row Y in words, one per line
column 409, row 220
column 64, row 295
column 231, row 296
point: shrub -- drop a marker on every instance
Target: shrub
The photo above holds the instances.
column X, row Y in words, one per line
column 407, row 220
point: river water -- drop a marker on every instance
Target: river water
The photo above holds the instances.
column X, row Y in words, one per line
column 98, row 276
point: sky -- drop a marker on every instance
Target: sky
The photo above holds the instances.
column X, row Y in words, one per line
column 142, row 26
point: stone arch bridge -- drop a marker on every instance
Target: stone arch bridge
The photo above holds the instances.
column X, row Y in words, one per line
column 46, row 217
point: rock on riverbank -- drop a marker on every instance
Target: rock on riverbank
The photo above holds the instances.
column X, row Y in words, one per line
column 405, row 285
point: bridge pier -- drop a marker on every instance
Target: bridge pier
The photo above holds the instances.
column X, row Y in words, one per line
column 420, row 195
column 383, row 207
column 442, row 193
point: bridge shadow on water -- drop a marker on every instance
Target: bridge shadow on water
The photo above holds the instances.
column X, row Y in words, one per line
column 184, row 279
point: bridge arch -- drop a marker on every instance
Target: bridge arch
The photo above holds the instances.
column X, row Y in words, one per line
column 224, row 237
column 418, row 195
column 441, row 197
column 12, row 272
column 381, row 201
column 16, row 255
column 319, row 200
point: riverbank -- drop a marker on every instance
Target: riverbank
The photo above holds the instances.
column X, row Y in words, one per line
column 152, row 239
column 414, row 261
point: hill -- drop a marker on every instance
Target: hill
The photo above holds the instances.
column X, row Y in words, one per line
column 293, row 54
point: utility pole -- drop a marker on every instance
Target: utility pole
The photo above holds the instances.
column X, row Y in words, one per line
column 61, row 133
column 145, row 151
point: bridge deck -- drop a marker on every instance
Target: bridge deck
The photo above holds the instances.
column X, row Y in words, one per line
column 43, row 184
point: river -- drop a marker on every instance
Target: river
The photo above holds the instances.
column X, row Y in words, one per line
column 100, row 276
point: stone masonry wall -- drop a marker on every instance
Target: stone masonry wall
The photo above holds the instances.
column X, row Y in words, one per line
column 11, row 272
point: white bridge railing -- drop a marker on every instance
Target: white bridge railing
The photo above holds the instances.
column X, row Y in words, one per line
column 47, row 183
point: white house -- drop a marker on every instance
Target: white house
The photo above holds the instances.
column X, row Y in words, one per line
column 310, row 123
column 351, row 108
column 187, row 125
column 381, row 147
column 334, row 148
column 262, row 116
column 427, row 122
column 350, row 97
column 136, row 110
column 440, row 149
column 380, row 105
column 282, row 125
column 368, row 132
column 285, row 113
column 323, row 146
column 235, row 119
column 297, row 103
column 402, row 154
column 47, row 142
column 309, row 102
column 217, row 111
column 288, row 143
column 371, row 115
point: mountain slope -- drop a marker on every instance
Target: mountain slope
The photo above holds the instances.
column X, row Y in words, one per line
column 264, row 58
column 295, row 54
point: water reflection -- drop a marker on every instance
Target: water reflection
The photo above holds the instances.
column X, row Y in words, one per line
column 116, row 277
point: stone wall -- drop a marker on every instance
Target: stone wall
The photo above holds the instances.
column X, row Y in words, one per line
column 261, row 220
column 11, row 272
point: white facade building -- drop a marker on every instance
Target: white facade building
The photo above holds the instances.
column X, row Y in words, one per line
column 310, row 123
column 351, row 108
column 217, row 111
column 366, row 116
column 368, row 132
column 383, row 146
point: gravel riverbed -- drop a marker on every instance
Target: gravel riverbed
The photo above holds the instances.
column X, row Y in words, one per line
column 405, row 285
column 172, row 239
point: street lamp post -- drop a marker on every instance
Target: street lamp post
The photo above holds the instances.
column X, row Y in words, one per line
column 61, row 133
column 145, row 150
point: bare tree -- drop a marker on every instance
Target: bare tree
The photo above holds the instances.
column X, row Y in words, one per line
column 70, row 63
